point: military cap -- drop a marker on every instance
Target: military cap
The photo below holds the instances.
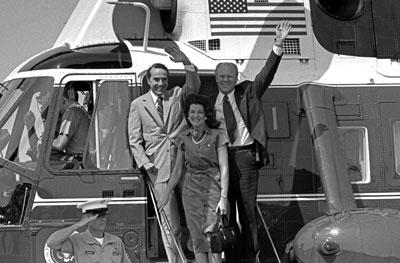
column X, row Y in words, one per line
column 98, row 206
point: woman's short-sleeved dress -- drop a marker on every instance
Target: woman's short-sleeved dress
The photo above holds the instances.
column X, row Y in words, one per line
column 201, row 190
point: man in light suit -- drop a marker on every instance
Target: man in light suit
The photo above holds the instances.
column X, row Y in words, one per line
column 155, row 120
column 239, row 108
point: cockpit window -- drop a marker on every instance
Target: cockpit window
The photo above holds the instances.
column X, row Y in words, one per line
column 23, row 111
column 91, row 133
column 356, row 153
column 73, row 120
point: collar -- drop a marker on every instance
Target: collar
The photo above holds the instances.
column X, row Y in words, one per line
column 153, row 96
column 90, row 240
column 206, row 129
column 231, row 96
column 75, row 104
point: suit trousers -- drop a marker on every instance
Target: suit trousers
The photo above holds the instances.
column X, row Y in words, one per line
column 242, row 192
column 172, row 213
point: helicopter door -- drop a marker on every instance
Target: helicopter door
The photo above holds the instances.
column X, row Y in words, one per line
column 108, row 146
column 102, row 142
column 105, row 171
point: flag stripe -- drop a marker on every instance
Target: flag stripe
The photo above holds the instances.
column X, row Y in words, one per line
column 276, row 4
column 267, row 24
column 279, row 11
column 246, row 29
column 254, row 33
column 254, row 18
column 269, row 9
column 273, row 26
column 241, row 17
column 288, row 15
column 265, row 11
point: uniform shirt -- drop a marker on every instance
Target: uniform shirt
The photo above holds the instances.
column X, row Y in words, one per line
column 242, row 133
column 87, row 249
column 75, row 124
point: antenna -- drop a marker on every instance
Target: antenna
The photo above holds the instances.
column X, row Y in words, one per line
column 2, row 86
column 147, row 22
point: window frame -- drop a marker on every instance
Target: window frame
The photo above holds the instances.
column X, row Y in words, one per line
column 97, row 78
column 367, row 178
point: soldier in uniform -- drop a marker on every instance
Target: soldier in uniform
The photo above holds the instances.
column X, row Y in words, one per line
column 92, row 245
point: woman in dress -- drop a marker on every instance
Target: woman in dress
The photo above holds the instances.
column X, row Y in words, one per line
column 203, row 151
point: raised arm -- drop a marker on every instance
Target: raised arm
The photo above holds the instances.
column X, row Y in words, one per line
column 59, row 240
column 173, row 180
column 192, row 83
column 267, row 73
column 60, row 142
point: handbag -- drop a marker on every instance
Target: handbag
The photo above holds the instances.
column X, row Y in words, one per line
column 224, row 238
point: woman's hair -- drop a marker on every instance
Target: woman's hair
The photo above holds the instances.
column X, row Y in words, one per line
column 209, row 109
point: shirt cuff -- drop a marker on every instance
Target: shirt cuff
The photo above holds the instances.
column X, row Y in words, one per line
column 277, row 50
column 190, row 68
column 148, row 165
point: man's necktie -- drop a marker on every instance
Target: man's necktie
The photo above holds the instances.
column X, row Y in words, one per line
column 230, row 120
column 160, row 107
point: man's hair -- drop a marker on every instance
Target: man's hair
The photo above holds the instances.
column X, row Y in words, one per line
column 209, row 109
column 226, row 64
column 156, row 65
column 70, row 92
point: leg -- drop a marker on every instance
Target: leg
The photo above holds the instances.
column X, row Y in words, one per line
column 247, row 204
column 201, row 257
column 197, row 207
column 233, row 255
column 172, row 214
column 247, row 215
column 214, row 257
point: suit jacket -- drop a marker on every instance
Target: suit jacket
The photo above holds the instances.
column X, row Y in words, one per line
column 150, row 139
column 248, row 96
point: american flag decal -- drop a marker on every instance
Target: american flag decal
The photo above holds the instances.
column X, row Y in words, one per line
column 255, row 17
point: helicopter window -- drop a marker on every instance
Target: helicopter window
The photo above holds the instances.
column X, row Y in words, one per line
column 342, row 9
column 356, row 152
column 23, row 113
column 396, row 137
column 108, row 146
column 8, row 100
column 13, row 199
column 72, row 127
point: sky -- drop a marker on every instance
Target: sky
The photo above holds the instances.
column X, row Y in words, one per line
column 28, row 27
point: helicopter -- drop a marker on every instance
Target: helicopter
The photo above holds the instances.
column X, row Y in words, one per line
column 330, row 192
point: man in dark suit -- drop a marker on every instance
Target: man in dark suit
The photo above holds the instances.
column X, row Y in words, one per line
column 239, row 109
